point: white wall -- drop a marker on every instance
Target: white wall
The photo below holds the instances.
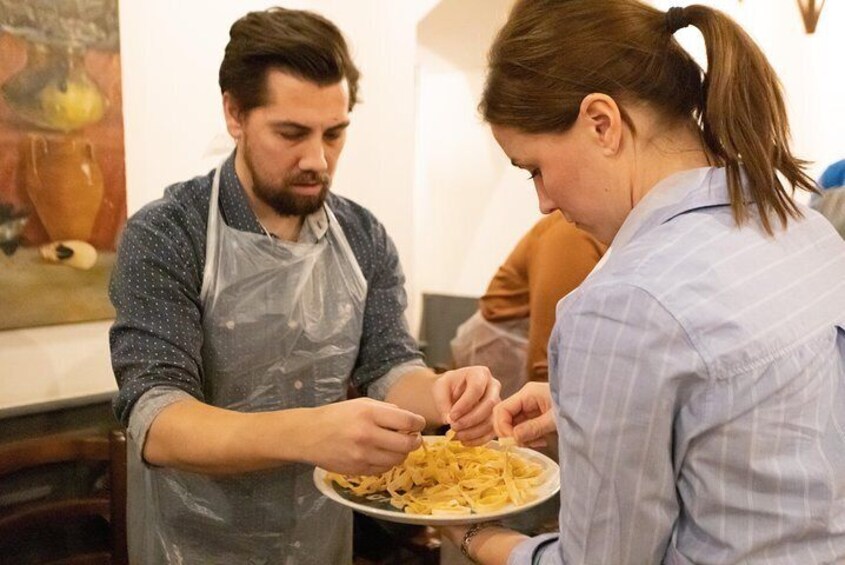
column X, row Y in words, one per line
column 453, row 220
column 471, row 205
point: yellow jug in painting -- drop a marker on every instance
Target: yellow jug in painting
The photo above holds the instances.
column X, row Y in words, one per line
column 54, row 91
column 65, row 184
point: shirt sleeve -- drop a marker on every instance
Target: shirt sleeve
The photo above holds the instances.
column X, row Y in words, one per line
column 378, row 389
column 531, row 550
column 622, row 367
column 147, row 408
column 156, row 338
column 386, row 340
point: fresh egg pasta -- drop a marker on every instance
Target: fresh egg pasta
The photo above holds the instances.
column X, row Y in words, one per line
column 445, row 478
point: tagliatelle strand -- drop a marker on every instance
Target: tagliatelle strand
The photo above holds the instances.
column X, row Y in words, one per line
column 445, row 477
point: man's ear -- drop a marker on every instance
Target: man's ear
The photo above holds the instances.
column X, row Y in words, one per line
column 603, row 118
column 234, row 116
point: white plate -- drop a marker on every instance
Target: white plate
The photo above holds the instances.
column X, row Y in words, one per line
column 378, row 505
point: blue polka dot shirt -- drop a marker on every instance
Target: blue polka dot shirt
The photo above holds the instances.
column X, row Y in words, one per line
column 156, row 340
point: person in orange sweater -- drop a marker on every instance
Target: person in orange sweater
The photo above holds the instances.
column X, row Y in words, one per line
column 510, row 332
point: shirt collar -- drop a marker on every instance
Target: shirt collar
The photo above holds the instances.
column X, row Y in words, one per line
column 316, row 225
column 675, row 195
column 238, row 214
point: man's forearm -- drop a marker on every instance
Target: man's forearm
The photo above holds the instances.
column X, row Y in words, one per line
column 193, row 436
column 413, row 392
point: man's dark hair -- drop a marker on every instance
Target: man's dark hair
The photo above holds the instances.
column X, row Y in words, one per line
column 301, row 43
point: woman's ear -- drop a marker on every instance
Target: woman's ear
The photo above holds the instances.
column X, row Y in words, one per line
column 602, row 118
column 233, row 116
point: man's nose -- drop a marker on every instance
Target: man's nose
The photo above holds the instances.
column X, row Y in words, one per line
column 314, row 157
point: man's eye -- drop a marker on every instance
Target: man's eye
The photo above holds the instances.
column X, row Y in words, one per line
column 292, row 136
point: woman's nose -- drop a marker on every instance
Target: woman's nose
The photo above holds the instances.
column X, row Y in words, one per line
column 547, row 206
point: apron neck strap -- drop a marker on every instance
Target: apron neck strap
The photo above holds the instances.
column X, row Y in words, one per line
column 212, row 233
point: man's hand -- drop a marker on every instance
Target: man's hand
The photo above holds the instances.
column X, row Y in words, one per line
column 465, row 398
column 362, row 436
column 527, row 416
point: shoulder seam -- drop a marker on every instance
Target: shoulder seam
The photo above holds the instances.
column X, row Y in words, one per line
column 693, row 343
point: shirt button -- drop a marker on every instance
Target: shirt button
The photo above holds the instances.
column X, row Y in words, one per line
column 230, row 324
column 297, row 385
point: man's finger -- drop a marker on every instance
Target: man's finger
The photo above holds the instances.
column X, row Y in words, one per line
column 476, row 386
column 379, row 461
column 442, row 395
column 394, row 442
column 476, row 433
column 480, row 440
column 482, row 412
column 392, row 418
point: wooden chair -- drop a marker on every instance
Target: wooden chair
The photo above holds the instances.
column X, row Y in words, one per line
column 41, row 522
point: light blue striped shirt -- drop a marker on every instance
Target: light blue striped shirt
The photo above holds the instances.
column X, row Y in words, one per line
column 699, row 383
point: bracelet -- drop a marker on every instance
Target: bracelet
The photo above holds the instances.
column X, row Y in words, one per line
column 471, row 533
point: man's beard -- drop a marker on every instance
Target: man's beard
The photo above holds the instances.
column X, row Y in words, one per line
column 283, row 199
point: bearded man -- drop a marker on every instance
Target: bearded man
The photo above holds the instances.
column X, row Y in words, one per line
column 248, row 301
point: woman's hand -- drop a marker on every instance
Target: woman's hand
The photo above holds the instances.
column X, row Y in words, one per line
column 527, row 416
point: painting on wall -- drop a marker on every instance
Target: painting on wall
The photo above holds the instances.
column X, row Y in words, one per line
column 62, row 173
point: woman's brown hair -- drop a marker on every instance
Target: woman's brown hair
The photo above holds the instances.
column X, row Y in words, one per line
column 299, row 42
column 552, row 53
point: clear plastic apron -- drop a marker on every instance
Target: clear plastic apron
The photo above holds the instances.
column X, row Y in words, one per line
column 502, row 347
column 282, row 325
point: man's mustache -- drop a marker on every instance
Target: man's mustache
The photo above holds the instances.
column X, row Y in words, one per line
column 310, row 177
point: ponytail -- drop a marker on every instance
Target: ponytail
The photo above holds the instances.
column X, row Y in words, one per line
column 744, row 122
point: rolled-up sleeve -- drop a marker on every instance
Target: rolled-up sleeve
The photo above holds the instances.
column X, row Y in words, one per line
column 147, row 408
column 378, row 389
column 532, row 550
column 386, row 341
column 156, row 338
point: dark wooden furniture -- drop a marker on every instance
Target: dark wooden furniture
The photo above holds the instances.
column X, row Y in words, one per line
column 46, row 518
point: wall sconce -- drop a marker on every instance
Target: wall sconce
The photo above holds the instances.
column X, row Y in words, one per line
column 810, row 12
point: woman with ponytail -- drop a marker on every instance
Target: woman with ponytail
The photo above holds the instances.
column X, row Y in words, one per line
column 697, row 376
